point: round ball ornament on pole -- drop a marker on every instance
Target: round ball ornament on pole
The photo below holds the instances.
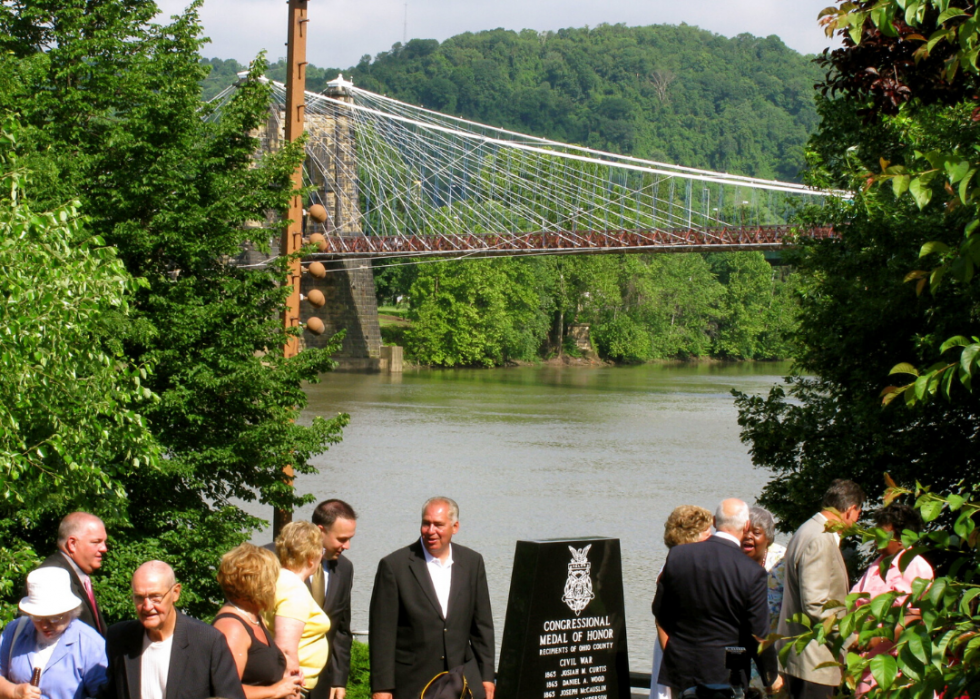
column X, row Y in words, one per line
column 317, row 270
column 315, row 326
column 320, row 242
column 318, row 213
column 316, row 298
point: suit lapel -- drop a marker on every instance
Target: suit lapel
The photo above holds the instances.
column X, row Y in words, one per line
column 421, row 572
column 333, row 584
column 177, row 657
column 456, row 585
column 79, row 591
column 133, row 660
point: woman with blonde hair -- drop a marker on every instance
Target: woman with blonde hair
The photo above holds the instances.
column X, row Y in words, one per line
column 248, row 575
column 298, row 622
column 687, row 524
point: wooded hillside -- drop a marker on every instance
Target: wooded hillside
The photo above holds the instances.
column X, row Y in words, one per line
column 674, row 93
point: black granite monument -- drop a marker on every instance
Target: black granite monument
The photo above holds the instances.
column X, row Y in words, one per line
column 565, row 631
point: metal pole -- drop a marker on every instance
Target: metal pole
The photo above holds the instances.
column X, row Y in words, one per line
column 292, row 234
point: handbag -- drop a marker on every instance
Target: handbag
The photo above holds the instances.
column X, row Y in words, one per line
column 450, row 684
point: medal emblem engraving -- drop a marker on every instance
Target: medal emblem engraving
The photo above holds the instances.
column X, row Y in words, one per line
column 578, row 587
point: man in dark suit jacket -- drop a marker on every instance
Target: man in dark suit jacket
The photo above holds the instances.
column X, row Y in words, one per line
column 81, row 544
column 711, row 596
column 430, row 612
column 167, row 655
column 331, row 588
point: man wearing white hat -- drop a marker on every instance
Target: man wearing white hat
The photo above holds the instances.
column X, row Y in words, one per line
column 166, row 654
column 81, row 544
column 49, row 651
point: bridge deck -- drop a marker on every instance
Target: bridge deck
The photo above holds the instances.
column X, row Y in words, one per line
column 570, row 242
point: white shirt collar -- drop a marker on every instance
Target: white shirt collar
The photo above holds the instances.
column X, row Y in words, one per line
column 429, row 558
column 728, row 537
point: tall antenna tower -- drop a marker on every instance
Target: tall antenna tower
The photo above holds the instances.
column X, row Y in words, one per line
column 405, row 26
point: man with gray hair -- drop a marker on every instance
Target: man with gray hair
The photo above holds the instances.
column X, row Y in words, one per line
column 81, row 544
column 710, row 597
column 430, row 612
column 165, row 654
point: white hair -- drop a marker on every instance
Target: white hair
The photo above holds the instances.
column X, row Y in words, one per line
column 450, row 503
column 731, row 516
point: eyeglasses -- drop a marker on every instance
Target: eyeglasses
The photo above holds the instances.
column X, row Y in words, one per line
column 154, row 599
column 53, row 620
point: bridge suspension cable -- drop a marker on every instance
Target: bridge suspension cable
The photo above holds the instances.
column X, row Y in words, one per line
column 402, row 174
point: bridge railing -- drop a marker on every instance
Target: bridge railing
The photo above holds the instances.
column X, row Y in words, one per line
column 579, row 242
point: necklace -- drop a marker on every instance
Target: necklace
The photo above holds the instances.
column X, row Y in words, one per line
column 245, row 614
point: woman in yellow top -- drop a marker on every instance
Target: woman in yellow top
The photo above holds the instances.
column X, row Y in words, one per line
column 298, row 623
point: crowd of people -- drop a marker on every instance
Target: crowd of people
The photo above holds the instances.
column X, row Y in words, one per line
column 284, row 629
column 283, row 632
column 737, row 586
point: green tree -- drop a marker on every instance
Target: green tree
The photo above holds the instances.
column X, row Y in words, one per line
column 858, row 316
column 112, row 115
column 483, row 312
column 70, row 400
column 753, row 316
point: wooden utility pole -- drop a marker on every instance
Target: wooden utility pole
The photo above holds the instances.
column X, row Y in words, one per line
column 292, row 234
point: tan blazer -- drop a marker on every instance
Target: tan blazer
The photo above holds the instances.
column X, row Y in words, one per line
column 815, row 574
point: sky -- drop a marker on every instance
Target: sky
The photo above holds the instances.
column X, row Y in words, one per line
column 342, row 31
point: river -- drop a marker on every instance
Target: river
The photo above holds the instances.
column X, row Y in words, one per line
column 535, row 452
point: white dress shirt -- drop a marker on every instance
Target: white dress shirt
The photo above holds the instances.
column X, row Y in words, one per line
column 155, row 667
column 441, row 575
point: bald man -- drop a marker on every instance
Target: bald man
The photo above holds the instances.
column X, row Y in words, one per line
column 712, row 596
column 165, row 654
column 81, row 545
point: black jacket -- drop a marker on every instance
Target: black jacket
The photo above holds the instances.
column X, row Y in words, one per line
column 88, row 614
column 201, row 665
column 709, row 596
column 411, row 642
column 336, row 605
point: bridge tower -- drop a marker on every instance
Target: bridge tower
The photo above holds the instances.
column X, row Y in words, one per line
column 348, row 286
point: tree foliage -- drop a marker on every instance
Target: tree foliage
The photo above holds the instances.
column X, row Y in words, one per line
column 638, row 307
column 112, row 116
column 674, row 93
column 936, row 628
column 70, row 399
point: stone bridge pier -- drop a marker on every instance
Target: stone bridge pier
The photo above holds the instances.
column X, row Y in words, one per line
column 348, row 285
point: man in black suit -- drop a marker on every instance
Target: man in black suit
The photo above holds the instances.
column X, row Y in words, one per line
column 711, row 596
column 81, row 544
column 167, row 655
column 331, row 585
column 430, row 612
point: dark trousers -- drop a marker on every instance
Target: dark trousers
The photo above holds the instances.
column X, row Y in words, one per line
column 801, row 689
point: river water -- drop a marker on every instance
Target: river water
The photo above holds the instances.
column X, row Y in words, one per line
column 532, row 453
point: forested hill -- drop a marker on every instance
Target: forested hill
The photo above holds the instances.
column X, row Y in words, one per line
column 673, row 93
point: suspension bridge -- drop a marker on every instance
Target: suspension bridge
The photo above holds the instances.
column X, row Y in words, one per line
column 393, row 180
column 398, row 180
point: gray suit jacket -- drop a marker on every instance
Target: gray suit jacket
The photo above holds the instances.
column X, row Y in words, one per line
column 815, row 574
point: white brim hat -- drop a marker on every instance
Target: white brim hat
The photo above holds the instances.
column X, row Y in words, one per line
column 49, row 593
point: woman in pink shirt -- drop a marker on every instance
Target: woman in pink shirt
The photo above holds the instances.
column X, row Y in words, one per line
column 895, row 519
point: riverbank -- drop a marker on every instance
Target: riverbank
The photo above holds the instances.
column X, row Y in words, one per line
column 572, row 362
